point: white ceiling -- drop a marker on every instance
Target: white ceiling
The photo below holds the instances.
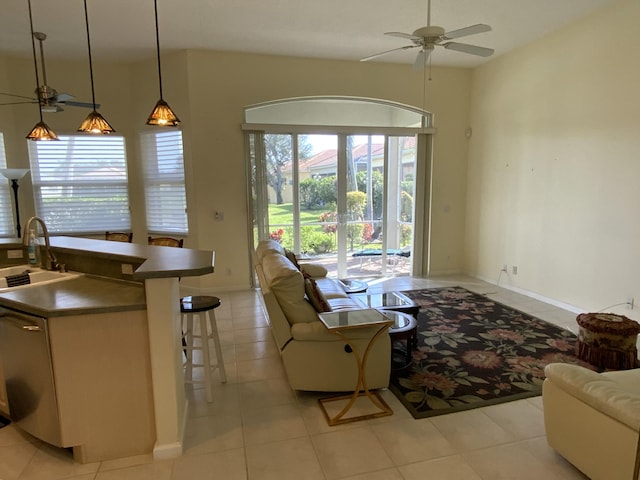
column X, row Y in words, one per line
column 335, row 29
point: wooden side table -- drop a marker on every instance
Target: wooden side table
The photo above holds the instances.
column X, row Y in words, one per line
column 339, row 323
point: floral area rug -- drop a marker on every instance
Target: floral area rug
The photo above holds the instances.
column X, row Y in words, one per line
column 473, row 352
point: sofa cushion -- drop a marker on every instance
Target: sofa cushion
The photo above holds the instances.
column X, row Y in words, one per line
column 268, row 246
column 343, row 303
column 315, row 296
column 287, row 284
column 330, row 287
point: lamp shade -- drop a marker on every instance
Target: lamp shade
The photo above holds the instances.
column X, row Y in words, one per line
column 95, row 123
column 14, row 173
column 41, row 132
column 163, row 116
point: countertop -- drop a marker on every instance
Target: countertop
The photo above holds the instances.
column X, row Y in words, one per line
column 158, row 262
column 88, row 294
column 82, row 295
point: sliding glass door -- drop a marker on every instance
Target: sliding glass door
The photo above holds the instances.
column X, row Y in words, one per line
column 345, row 201
column 342, row 181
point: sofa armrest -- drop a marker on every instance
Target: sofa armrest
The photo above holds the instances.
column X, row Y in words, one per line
column 598, row 391
column 317, row 332
column 314, row 270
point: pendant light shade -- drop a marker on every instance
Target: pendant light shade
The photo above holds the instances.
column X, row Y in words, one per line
column 94, row 123
column 162, row 115
column 41, row 131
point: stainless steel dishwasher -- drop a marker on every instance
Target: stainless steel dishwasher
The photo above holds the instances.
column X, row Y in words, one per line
column 28, row 372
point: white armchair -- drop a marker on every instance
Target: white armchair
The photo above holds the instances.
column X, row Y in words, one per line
column 593, row 419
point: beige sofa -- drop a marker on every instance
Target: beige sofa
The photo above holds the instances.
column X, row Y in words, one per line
column 593, row 419
column 314, row 358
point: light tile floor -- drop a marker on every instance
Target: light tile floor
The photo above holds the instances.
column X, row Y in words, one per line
column 259, row 429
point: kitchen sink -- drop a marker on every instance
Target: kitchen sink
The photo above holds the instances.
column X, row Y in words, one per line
column 37, row 276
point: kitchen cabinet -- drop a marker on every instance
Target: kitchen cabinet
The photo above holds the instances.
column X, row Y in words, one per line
column 4, row 406
column 100, row 366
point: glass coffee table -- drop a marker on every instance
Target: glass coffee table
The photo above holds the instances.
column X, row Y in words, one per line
column 403, row 329
column 338, row 323
column 388, row 301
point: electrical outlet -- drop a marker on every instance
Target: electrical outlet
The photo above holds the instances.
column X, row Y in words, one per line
column 218, row 216
column 14, row 254
column 505, row 267
column 514, row 270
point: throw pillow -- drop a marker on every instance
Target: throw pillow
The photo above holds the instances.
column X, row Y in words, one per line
column 292, row 257
column 315, row 296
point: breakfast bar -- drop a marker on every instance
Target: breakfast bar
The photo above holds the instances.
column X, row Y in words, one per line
column 119, row 278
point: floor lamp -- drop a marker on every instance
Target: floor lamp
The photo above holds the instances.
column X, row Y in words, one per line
column 15, row 174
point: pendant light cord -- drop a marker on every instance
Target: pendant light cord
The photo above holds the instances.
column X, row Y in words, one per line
column 155, row 6
column 35, row 61
column 86, row 20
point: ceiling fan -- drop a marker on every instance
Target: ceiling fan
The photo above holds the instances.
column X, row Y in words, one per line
column 427, row 38
column 50, row 100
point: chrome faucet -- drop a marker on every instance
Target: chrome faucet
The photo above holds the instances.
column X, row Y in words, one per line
column 53, row 261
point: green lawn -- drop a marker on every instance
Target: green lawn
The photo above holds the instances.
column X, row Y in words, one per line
column 283, row 214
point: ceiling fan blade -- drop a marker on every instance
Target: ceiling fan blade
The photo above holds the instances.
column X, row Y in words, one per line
column 472, row 49
column 408, row 36
column 463, row 32
column 80, row 104
column 19, row 103
column 18, row 96
column 422, row 59
column 371, row 57
column 63, row 97
column 52, row 108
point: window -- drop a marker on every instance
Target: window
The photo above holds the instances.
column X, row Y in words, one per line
column 165, row 194
column 7, row 228
column 80, row 184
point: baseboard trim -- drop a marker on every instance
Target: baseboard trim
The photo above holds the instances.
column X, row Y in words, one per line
column 536, row 296
column 173, row 450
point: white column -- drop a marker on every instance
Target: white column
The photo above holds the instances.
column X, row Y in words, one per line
column 163, row 313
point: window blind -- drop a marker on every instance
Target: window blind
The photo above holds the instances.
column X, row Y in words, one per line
column 7, row 227
column 165, row 194
column 80, row 184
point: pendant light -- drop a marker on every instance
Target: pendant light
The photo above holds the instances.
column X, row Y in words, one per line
column 162, row 115
column 41, row 131
column 94, row 123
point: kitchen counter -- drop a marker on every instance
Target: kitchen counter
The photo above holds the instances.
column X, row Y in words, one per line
column 86, row 294
column 131, row 277
column 157, row 262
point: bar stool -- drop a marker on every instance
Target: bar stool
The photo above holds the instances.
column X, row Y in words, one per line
column 203, row 306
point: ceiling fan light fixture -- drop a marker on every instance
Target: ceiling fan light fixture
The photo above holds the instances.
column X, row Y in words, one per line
column 163, row 116
column 41, row 132
column 95, row 123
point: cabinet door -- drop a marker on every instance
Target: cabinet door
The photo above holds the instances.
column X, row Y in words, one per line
column 4, row 404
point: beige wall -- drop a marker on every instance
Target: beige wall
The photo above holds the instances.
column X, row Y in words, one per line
column 209, row 90
column 554, row 164
column 222, row 84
